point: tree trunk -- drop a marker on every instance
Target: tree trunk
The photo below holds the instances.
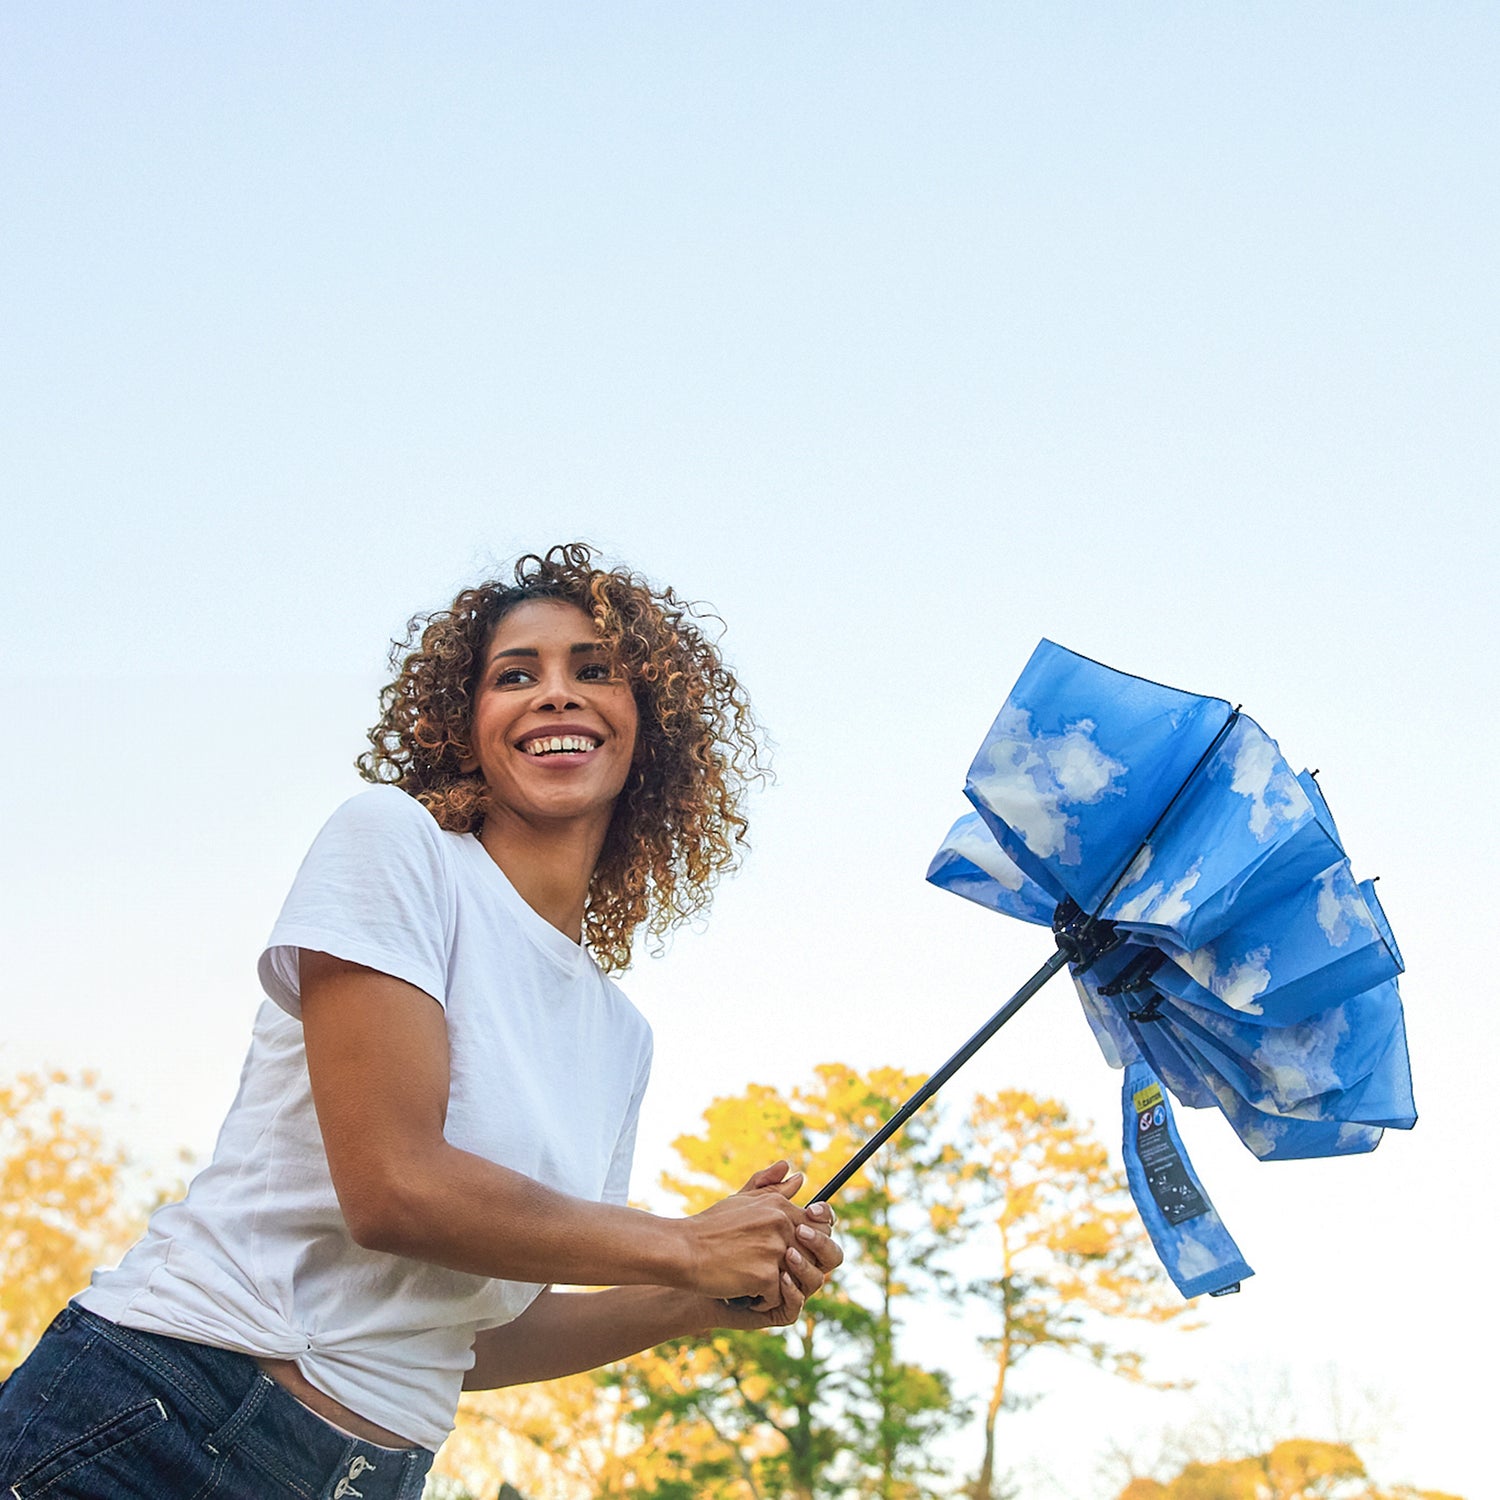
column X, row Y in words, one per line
column 984, row 1486
column 885, row 1358
column 803, row 1466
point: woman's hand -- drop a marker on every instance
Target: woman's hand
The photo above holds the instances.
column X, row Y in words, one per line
column 807, row 1262
column 738, row 1246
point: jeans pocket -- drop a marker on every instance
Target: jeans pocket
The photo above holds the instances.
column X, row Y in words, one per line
column 128, row 1426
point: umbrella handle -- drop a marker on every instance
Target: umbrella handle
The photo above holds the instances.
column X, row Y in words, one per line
column 1065, row 951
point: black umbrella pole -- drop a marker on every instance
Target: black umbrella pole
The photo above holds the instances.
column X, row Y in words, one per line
column 943, row 1074
column 933, row 1084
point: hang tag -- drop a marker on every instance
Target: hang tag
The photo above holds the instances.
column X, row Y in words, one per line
column 1190, row 1238
column 1169, row 1179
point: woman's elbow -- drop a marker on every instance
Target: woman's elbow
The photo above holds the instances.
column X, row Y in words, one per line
column 384, row 1215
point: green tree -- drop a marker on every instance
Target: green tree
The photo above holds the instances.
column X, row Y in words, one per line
column 1040, row 1198
column 845, row 1411
column 890, row 1217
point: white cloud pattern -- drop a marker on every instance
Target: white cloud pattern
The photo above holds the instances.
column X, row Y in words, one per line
column 1032, row 779
column 1341, row 908
column 1239, row 984
column 973, row 842
column 1138, row 867
column 1260, row 1137
column 1195, row 1257
column 1160, row 903
column 1297, row 1061
column 1260, row 774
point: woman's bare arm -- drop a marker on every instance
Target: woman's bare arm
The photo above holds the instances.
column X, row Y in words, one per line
column 377, row 1053
column 564, row 1333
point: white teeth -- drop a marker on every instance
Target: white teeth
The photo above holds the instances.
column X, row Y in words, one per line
column 560, row 742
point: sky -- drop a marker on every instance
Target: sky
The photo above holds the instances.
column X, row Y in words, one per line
column 905, row 336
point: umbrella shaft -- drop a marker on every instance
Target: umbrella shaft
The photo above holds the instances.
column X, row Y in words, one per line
column 943, row 1074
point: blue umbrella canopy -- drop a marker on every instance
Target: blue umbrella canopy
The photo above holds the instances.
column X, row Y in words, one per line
column 1251, row 968
column 1231, row 953
column 1222, row 949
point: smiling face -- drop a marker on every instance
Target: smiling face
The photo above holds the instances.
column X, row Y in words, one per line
column 554, row 724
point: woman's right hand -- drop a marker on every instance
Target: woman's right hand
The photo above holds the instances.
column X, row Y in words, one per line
column 738, row 1246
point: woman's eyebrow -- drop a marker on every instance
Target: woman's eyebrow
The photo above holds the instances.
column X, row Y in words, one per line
column 577, row 650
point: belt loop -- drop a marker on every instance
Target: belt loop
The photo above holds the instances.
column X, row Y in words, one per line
column 414, row 1474
column 222, row 1439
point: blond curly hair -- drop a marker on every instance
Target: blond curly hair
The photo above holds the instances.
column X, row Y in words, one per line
column 677, row 825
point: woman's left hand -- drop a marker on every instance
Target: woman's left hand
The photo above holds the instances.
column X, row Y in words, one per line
column 808, row 1263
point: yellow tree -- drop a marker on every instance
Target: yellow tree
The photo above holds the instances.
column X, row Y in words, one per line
column 762, row 1391
column 509, row 1436
column 694, row 1455
column 1037, row 1194
column 1294, row 1469
column 631, row 1429
column 60, row 1202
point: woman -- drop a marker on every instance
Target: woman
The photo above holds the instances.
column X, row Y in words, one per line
column 436, row 1117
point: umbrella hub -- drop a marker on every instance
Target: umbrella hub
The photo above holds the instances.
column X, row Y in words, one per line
column 1082, row 939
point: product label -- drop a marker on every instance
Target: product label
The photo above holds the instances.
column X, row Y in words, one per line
column 1189, row 1236
column 1171, row 1187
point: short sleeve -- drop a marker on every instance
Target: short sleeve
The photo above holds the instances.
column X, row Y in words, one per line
column 617, row 1180
column 375, row 890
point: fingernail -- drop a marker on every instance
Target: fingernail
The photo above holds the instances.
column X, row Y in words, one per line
column 794, row 1255
column 819, row 1211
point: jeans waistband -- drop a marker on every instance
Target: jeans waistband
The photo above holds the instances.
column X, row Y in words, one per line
column 246, row 1410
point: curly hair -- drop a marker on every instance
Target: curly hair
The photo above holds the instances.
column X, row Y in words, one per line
column 677, row 825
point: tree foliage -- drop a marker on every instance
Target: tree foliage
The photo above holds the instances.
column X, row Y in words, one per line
column 604, row 1434
column 836, row 1405
column 1038, row 1196
column 61, row 1208
column 845, row 1412
column 1294, row 1469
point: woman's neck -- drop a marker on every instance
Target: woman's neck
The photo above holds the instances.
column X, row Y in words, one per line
column 550, row 865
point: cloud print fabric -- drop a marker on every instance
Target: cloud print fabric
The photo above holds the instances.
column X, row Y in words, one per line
column 1264, row 973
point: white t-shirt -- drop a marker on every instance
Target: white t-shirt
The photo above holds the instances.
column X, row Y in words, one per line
column 548, row 1064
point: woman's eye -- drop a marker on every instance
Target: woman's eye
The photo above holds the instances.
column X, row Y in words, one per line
column 511, row 677
column 596, row 671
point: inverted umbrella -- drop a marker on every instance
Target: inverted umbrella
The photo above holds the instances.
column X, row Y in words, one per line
column 1217, row 937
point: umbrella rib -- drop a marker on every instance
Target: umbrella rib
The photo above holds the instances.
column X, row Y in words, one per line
column 1187, row 781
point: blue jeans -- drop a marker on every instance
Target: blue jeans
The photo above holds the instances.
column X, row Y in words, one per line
column 100, row 1412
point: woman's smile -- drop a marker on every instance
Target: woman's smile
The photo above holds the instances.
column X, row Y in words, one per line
column 560, row 742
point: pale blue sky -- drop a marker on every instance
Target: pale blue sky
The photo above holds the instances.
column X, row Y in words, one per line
column 906, row 334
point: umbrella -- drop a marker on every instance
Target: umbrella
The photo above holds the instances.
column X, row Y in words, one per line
column 1219, row 942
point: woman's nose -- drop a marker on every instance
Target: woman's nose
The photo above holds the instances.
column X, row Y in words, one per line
column 556, row 689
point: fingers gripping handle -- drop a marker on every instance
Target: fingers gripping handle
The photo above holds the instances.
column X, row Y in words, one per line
column 821, row 1196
